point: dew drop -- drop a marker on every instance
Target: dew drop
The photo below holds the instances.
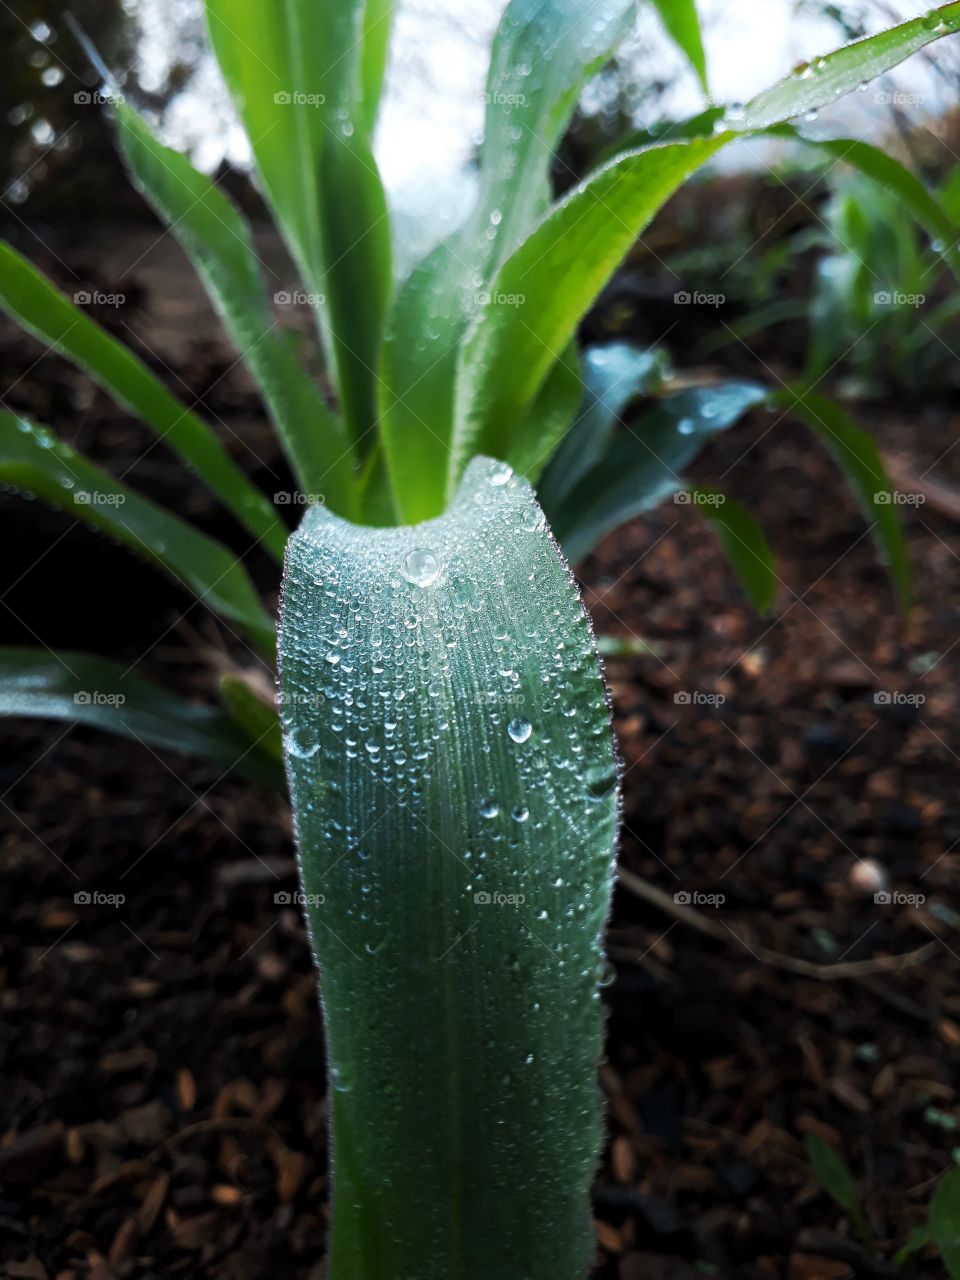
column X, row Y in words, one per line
column 489, row 808
column 421, row 567
column 519, row 730
column 686, row 427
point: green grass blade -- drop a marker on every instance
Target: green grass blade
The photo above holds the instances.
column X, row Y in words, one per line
column 815, row 84
column 255, row 720
column 33, row 459
column 295, row 72
column 744, row 542
column 644, row 464
column 377, row 25
column 858, row 457
column 217, row 239
column 550, row 418
column 465, row 722
column 945, row 1221
column 612, row 376
column 682, row 22
column 543, row 54
column 511, row 348
column 34, row 303
column 80, row 687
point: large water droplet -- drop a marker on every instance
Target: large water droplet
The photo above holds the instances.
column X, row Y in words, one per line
column 489, row 808
column 421, row 567
column 519, row 730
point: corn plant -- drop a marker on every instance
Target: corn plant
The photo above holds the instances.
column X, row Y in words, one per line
column 446, row 734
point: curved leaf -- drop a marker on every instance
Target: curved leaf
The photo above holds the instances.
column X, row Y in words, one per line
column 295, row 71
column 682, row 22
column 377, row 24
column 32, row 458
column 217, row 239
column 100, row 692
column 35, row 304
column 643, row 464
column 612, row 376
column 744, row 542
column 460, row 867
column 859, row 458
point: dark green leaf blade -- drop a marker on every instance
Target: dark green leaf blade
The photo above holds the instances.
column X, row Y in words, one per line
column 461, row 871
column 43, row 310
column 217, row 239
column 744, row 542
column 33, row 459
column 38, row 683
column 945, row 1221
column 858, row 457
column 833, row 1172
column 682, row 22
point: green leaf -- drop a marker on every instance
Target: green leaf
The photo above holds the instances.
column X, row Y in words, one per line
column 461, row 868
column 945, row 1221
column 35, row 304
column 509, row 349
column 643, row 464
column 613, row 375
column 295, row 71
column 682, row 22
column 255, row 719
column 217, row 239
column 550, row 418
column 377, row 25
column 543, row 54
column 918, row 1239
column 857, row 455
column 32, row 458
column 515, row 340
column 833, row 1173
column 98, row 691
column 744, row 542
column 813, row 85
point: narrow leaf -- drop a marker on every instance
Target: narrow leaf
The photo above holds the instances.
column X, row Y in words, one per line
column 682, row 22
column 859, row 458
column 460, row 873
column 98, row 691
column 257, row 722
column 295, row 72
column 945, row 1221
column 33, row 459
column 744, row 542
column 34, row 303
column 377, row 25
column 612, row 376
column 812, row 85
column 217, row 239
column 644, row 463
column 833, row 1172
